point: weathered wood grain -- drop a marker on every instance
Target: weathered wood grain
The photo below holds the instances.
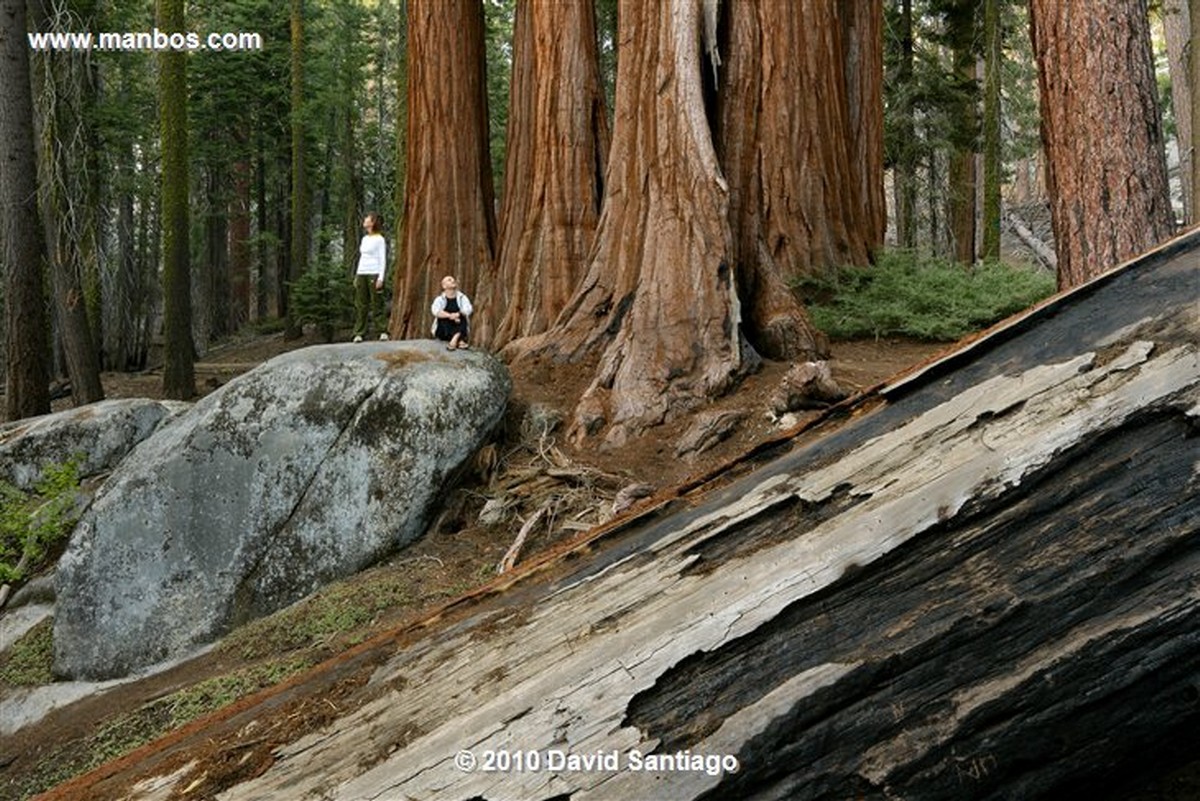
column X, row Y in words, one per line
column 987, row 588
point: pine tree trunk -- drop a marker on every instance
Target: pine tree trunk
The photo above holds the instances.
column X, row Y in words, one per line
column 992, row 164
column 298, row 240
column 66, row 178
column 905, row 173
column 658, row 304
column 1102, row 133
column 26, row 356
column 863, row 34
column 449, row 220
column 178, row 350
column 960, row 212
column 558, row 143
column 1176, row 19
column 239, row 244
column 776, row 219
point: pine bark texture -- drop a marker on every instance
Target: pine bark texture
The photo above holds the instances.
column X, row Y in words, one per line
column 993, row 34
column 761, row 115
column 298, row 239
column 658, row 304
column 26, row 355
column 960, row 211
column 178, row 349
column 1176, row 21
column 1102, row 133
column 66, row 199
column 449, row 220
column 558, row 142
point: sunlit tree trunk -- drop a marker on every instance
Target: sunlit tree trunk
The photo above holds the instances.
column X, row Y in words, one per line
column 449, row 221
column 178, row 351
column 26, row 356
column 557, row 149
column 1102, row 133
column 905, row 172
column 658, row 306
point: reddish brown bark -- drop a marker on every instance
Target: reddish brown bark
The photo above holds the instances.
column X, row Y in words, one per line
column 449, row 223
column 758, row 109
column 1101, row 131
column 658, row 304
column 863, row 35
column 795, row 83
column 557, row 148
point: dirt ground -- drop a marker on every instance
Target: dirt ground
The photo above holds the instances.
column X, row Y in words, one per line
column 573, row 488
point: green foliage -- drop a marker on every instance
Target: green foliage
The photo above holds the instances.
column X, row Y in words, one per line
column 28, row 662
column 336, row 610
column 324, row 296
column 32, row 523
column 932, row 299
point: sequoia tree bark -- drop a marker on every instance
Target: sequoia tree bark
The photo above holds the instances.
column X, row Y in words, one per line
column 658, row 304
column 449, row 223
column 554, row 171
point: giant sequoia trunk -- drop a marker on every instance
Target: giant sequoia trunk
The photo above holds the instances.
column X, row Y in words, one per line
column 1176, row 21
column 862, row 30
column 983, row 585
column 449, row 222
column 787, row 83
column 761, row 112
column 557, row 149
column 1102, row 133
column 658, row 303
column 27, row 375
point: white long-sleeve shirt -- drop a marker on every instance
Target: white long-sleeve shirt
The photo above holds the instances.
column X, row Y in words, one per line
column 372, row 255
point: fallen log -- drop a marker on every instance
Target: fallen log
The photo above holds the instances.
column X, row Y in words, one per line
column 985, row 587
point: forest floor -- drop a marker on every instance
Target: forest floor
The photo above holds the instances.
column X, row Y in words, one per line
column 460, row 553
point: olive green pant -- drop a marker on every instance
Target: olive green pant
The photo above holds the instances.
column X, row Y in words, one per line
column 368, row 305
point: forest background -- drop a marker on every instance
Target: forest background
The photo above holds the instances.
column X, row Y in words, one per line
column 580, row 166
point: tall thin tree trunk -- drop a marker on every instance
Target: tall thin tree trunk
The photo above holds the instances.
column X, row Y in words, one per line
column 905, row 172
column 239, row 246
column 557, row 150
column 449, row 219
column 66, row 176
column 298, row 241
column 178, row 349
column 962, row 190
column 27, row 377
column 992, row 164
column 1176, row 21
column 1102, row 131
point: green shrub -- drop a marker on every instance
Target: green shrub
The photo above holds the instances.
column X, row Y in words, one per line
column 931, row 299
column 31, row 524
column 324, row 296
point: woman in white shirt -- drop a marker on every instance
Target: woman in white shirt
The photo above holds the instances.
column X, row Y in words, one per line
column 451, row 314
column 372, row 263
